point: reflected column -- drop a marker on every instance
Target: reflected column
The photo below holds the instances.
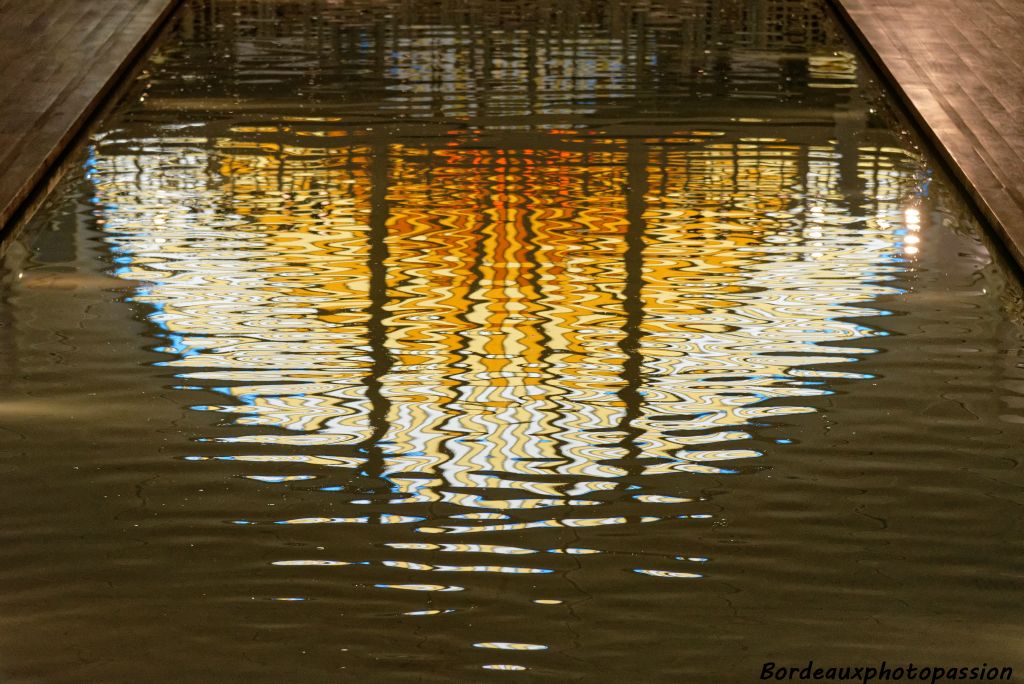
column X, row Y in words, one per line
column 381, row 360
column 632, row 304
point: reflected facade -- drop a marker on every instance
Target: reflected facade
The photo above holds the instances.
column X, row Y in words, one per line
column 466, row 295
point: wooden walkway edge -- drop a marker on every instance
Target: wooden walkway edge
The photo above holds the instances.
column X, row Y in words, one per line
column 958, row 67
column 59, row 61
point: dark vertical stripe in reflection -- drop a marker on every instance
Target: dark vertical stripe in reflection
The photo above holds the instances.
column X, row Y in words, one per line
column 381, row 360
column 544, row 358
column 632, row 302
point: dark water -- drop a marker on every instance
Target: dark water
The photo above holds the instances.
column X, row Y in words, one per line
column 534, row 341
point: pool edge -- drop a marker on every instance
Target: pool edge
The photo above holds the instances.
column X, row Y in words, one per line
column 36, row 177
column 959, row 157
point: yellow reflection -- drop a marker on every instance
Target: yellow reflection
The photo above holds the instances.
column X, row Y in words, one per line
column 504, row 329
column 501, row 569
column 462, row 548
column 503, row 667
column 510, row 646
column 421, row 587
column 669, row 574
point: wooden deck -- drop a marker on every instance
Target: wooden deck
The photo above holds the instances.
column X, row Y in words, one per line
column 59, row 59
column 959, row 68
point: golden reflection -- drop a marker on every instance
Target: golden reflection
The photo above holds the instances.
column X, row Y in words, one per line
column 506, row 328
column 670, row 574
column 509, row 646
column 461, row 548
column 452, row 311
column 504, row 667
column 501, row 569
column 421, row 587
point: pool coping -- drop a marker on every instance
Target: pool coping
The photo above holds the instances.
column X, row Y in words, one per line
column 962, row 112
column 65, row 73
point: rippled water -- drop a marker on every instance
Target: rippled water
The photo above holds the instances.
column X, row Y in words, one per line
column 417, row 341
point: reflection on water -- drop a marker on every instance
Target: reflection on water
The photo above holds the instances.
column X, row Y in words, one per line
column 479, row 280
column 503, row 329
column 570, row 317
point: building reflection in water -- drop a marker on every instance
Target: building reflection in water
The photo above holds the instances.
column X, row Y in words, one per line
column 517, row 279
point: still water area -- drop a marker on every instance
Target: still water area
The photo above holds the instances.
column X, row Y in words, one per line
column 505, row 341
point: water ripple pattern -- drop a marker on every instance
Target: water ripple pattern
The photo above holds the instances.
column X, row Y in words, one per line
column 468, row 304
column 502, row 329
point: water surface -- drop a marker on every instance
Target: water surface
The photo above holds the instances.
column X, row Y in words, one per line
column 430, row 342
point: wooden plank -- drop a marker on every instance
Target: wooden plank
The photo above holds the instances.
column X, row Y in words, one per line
column 59, row 59
column 959, row 69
